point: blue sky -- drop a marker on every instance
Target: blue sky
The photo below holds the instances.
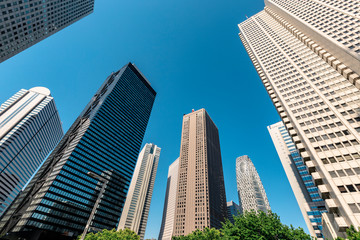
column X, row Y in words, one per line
column 191, row 53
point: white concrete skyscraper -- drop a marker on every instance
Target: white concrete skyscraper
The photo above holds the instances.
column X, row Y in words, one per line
column 137, row 205
column 30, row 128
column 251, row 191
column 306, row 53
column 25, row 23
column 310, row 202
column 167, row 224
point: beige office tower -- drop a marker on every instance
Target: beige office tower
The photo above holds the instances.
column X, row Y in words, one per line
column 167, row 224
column 315, row 92
column 137, row 205
column 200, row 200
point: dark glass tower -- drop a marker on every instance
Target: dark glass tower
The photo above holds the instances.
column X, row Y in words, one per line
column 105, row 139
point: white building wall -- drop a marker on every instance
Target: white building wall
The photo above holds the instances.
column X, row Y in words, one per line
column 30, row 128
column 319, row 102
column 168, row 219
column 137, row 205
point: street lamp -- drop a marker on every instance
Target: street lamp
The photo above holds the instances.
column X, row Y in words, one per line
column 104, row 183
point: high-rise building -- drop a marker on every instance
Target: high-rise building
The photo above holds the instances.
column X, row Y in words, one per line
column 137, row 205
column 251, row 191
column 310, row 202
column 200, row 199
column 99, row 151
column 167, row 224
column 25, row 23
column 332, row 25
column 315, row 90
column 232, row 210
column 30, row 128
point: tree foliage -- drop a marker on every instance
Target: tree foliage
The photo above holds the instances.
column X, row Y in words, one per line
column 352, row 234
column 248, row 226
column 206, row 234
column 105, row 234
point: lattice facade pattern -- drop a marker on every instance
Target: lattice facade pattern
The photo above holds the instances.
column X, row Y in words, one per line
column 250, row 189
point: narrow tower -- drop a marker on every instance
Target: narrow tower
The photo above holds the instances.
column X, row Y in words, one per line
column 137, row 204
column 30, row 128
column 167, row 224
column 200, row 200
column 98, row 152
column 251, row 191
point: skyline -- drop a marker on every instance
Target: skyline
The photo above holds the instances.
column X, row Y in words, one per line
column 89, row 68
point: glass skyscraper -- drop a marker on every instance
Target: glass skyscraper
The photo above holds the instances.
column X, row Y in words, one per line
column 310, row 202
column 24, row 23
column 30, row 128
column 104, row 140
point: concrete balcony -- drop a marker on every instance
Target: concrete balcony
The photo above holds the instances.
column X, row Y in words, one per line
column 340, row 224
column 300, row 147
column 305, row 155
column 311, row 167
column 324, row 192
column 317, row 178
column 331, row 205
column 296, row 139
column 292, row 132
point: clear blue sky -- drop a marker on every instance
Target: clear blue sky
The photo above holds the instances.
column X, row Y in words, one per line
column 191, row 53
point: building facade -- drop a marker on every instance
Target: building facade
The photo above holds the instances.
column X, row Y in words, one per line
column 316, row 95
column 137, row 205
column 306, row 193
column 251, row 191
column 200, row 199
column 25, row 23
column 167, row 223
column 104, row 141
column 30, row 128
column 232, row 210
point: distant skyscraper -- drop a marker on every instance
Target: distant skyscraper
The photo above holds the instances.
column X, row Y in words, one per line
column 200, row 200
column 105, row 140
column 232, row 210
column 137, row 204
column 167, row 224
column 251, row 191
column 306, row 53
column 25, row 23
column 30, row 128
column 310, row 202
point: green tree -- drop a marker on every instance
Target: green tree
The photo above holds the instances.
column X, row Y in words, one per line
column 261, row 226
column 105, row 234
column 352, row 234
column 249, row 226
column 206, row 234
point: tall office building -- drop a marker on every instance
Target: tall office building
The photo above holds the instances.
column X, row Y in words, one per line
column 251, row 191
column 167, row 224
column 30, row 128
column 98, row 151
column 200, row 199
column 137, row 204
column 315, row 90
column 232, row 210
column 25, row 23
column 310, row 202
